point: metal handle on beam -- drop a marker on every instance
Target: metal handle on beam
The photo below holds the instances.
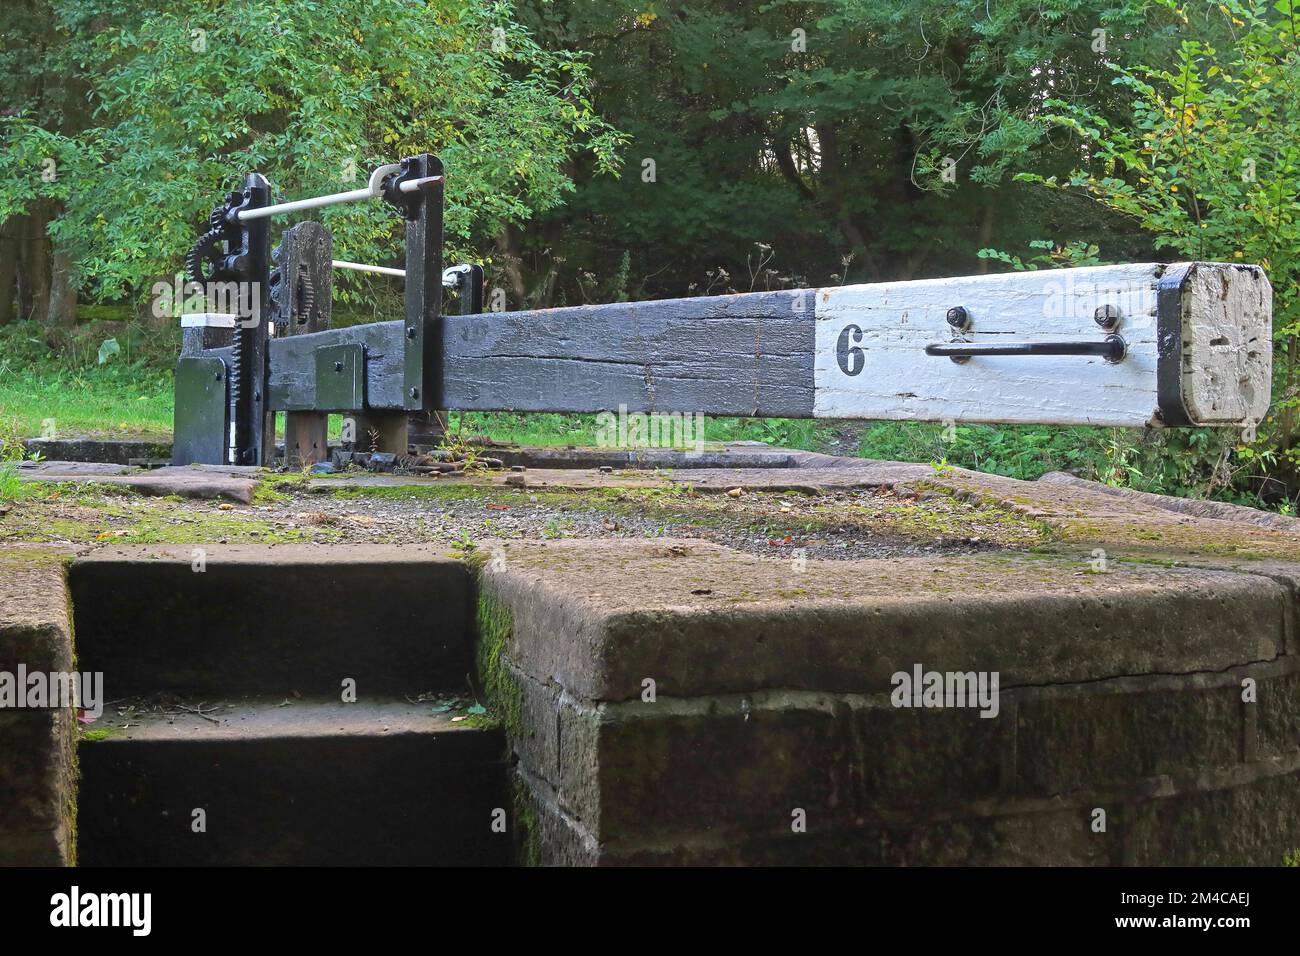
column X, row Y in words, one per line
column 1112, row 349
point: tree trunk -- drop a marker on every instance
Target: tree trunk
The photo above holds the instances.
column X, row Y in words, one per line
column 34, row 265
column 63, row 296
column 8, row 278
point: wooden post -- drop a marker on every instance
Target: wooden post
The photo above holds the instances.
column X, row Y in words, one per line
column 427, row 428
column 306, row 438
column 381, row 431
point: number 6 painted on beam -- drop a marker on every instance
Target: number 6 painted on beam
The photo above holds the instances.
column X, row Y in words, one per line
column 850, row 357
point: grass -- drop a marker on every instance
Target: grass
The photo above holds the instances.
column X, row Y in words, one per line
column 11, row 488
column 66, row 390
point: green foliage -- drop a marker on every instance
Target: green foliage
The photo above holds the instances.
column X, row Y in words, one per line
column 11, row 451
column 1071, row 255
column 190, row 94
column 1194, row 463
column 11, row 441
column 820, row 128
column 1208, row 162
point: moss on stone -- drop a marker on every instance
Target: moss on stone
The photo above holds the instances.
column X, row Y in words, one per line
column 482, row 722
column 266, row 493
column 528, row 829
column 494, row 624
column 431, row 491
column 136, row 520
column 15, row 557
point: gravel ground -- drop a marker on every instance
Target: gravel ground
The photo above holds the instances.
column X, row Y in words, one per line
column 854, row 524
column 843, row 524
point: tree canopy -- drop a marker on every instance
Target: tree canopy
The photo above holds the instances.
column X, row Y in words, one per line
column 181, row 98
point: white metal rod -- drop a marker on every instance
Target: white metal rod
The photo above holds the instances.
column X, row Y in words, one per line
column 448, row 277
column 373, row 190
column 264, row 212
column 362, row 267
column 411, row 185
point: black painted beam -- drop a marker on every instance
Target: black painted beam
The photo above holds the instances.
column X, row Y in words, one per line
column 727, row 355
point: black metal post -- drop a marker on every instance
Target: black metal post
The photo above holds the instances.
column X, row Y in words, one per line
column 422, row 210
column 253, row 445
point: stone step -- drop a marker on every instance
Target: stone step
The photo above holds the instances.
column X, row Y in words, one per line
column 278, row 620
column 306, row 782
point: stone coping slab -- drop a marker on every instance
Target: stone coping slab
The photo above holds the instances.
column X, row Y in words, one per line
column 37, row 766
column 825, row 474
column 1080, row 512
column 230, row 484
column 1194, row 507
column 600, row 618
column 35, row 625
column 115, row 450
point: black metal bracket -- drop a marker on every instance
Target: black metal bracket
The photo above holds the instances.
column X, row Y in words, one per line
column 422, row 171
column 422, row 209
column 302, row 281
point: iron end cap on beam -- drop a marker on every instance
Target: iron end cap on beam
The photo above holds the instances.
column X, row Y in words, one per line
column 1214, row 344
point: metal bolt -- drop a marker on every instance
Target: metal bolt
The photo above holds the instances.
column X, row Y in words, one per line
column 1119, row 348
column 410, row 331
column 1107, row 316
column 958, row 318
column 338, row 366
column 415, row 393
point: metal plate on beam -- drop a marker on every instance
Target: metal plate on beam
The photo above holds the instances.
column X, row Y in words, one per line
column 340, row 378
column 202, row 419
